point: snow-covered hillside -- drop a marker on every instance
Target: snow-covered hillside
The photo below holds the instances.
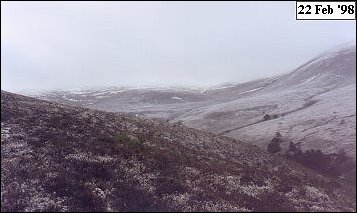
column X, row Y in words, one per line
column 315, row 104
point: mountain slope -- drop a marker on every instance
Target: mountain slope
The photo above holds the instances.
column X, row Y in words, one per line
column 56, row 157
column 314, row 105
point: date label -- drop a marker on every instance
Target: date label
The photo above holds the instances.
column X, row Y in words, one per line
column 339, row 10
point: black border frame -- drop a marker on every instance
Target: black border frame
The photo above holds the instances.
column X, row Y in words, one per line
column 323, row 19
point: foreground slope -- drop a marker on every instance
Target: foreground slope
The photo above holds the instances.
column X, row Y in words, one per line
column 61, row 158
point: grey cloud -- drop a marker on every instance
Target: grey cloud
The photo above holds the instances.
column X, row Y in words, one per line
column 48, row 45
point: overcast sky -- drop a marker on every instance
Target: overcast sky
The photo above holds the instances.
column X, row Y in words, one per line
column 50, row 45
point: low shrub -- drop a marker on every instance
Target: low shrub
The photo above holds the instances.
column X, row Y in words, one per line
column 334, row 165
column 274, row 145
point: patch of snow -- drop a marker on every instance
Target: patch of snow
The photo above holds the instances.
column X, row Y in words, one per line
column 115, row 92
column 79, row 92
column 308, row 80
column 100, row 93
column 177, row 98
column 222, row 87
column 252, row 90
column 69, row 99
column 270, row 80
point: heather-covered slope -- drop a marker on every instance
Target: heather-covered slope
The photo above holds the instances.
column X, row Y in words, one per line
column 61, row 158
